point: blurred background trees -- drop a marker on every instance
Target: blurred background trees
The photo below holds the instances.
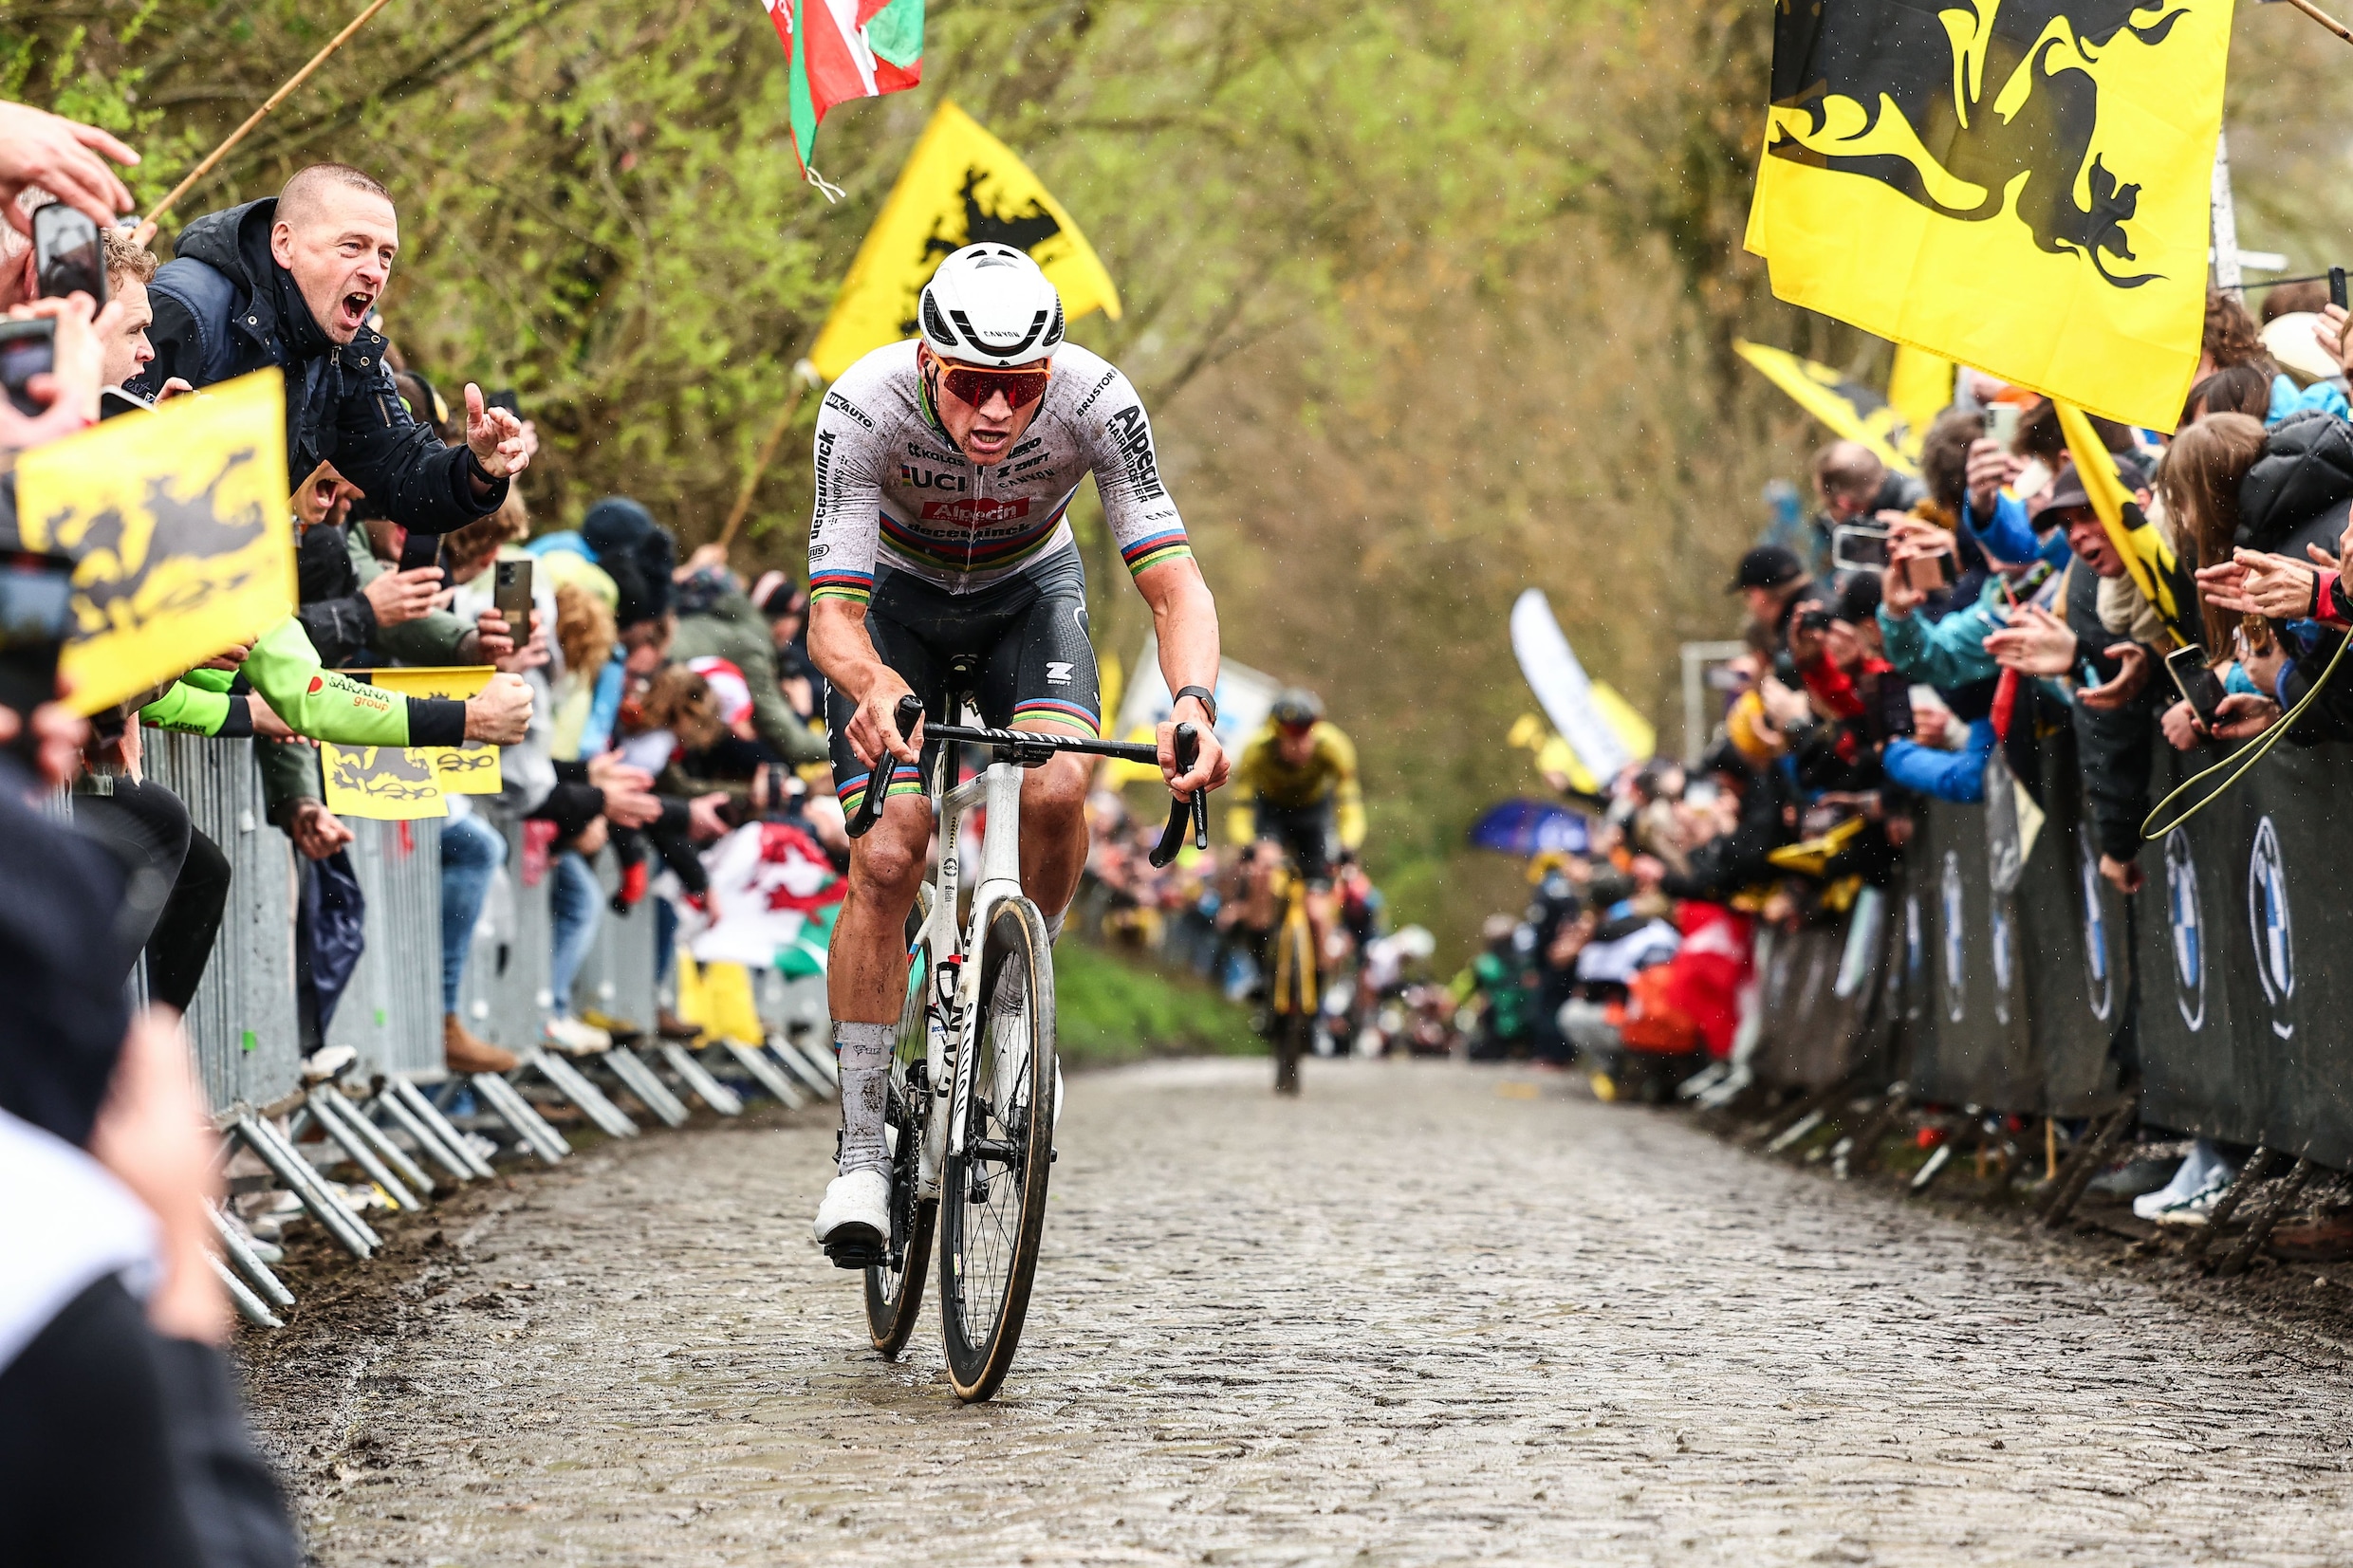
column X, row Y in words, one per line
column 1431, row 302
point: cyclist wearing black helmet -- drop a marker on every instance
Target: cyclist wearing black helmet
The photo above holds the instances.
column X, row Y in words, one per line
column 1297, row 775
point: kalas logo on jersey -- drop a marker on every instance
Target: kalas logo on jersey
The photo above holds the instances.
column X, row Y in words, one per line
column 2268, row 923
column 983, row 509
column 2181, row 908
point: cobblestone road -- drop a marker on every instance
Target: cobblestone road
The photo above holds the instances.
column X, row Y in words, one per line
column 1416, row 1318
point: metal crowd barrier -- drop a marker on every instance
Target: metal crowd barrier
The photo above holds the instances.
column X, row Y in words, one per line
column 242, row 1019
column 391, row 1010
column 376, row 1117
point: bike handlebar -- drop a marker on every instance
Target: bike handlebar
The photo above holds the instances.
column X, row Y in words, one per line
column 1034, row 744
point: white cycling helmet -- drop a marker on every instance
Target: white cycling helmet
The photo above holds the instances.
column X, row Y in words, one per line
column 991, row 304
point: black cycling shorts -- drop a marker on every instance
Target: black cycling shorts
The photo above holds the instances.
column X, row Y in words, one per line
column 1307, row 831
column 1019, row 646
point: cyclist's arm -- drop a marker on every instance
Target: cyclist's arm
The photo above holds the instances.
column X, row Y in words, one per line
column 844, row 529
column 1348, row 795
column 1146, row 526
column 1184, row 618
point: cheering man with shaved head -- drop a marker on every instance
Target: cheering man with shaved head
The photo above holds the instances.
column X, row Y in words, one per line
column 292, row 282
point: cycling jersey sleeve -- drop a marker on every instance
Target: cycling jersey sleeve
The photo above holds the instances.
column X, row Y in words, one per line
column 1349, row 797
column 846, row 520
column 1118, row 437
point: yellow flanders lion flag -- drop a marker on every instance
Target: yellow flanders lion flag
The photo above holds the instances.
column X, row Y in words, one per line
column 178, row 527
column 961, row 186
column 469, row 769
column 2162, row 576
column 1848, row 407
column 2018, row 185
column 382, row 783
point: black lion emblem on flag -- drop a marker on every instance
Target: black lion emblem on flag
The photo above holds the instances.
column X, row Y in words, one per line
column 1987, row 102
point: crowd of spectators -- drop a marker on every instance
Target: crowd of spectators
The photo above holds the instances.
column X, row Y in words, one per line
column 1973, row 629
column 643, row 706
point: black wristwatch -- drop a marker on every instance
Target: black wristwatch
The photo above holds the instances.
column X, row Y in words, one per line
column 1208, row 700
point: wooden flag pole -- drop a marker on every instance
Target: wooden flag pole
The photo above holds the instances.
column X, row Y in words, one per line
column 2323, row 19
column 804, row 377
column 146, row 230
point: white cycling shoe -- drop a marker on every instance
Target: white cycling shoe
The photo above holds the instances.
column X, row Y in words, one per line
column 854, row 1221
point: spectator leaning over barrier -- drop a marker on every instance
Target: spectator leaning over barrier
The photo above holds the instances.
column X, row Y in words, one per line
column 290, row 281
column 1772, row 582
column 1855, row 486
column 2285, row 573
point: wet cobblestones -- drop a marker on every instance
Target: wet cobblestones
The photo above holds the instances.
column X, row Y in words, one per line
column 1424, row 1315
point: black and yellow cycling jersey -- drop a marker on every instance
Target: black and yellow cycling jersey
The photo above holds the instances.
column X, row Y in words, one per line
column 1261, row 774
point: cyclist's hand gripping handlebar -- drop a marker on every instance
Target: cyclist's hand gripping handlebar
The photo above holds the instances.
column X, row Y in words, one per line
column 885, row 767
column 1185, row 809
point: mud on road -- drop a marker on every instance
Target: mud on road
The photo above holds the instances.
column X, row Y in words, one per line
column 1424, row 1315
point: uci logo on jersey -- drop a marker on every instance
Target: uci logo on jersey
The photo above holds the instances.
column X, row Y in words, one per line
column 931, row 479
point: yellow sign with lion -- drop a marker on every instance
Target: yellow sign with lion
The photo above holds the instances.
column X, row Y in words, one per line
column 177, row 522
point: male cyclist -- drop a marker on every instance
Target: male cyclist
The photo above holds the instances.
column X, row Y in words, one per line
column 944, row 467
column 1299, row 774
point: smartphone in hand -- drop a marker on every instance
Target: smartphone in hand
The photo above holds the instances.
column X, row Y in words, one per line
column 2199, row 685
column 36, row 612
column 27, row 349
column 420, row 550
column 68, row 257
column 511, row 598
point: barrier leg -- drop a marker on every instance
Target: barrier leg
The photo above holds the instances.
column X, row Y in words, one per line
column 1809, row 1112
column 248, row 1305
column 406, row 1094
column 820, row 1056
column 2257, row 1169
column 248, row 1267
column 2099, row 1142
column 2259, row 1228
column 512, row 1108
column 640, row 1080
column 697, row 1077
column 765, row 1073
column 345, row 1126
column 1942, row 1157
column 796, row 1061
column 323, row 1204
column 389, row 1104
column 573, row 1085
column 1862, row 1149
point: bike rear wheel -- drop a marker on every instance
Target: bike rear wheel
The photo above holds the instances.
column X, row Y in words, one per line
column 894, row 1287
column 1294, row 1001
column 992, row 1196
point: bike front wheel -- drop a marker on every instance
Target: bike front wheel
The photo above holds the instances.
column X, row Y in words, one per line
column 992, row 1194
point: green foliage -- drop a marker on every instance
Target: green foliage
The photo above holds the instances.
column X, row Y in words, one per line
column 1108, row 1010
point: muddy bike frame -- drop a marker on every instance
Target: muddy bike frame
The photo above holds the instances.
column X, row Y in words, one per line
column 955, row 983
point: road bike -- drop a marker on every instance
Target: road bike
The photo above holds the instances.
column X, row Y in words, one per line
column 1295, row 992
column 975, row 1086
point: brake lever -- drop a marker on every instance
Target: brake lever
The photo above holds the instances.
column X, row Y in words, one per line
column 1186, row 810
column 909, row 714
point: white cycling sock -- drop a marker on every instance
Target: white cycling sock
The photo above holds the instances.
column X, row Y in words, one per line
column 863, row 1051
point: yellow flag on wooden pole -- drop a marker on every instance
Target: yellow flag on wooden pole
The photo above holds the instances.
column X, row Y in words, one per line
column 2018, row 185
column 961, row 186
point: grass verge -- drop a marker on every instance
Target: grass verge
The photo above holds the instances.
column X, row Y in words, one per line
column 1109, row 1011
